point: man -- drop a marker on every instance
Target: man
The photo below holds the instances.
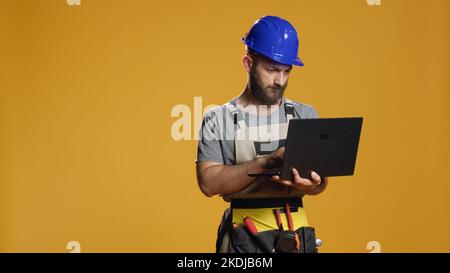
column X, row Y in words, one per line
column 247, row 135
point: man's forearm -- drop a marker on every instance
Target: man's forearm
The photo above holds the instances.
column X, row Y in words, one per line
column 226, row 179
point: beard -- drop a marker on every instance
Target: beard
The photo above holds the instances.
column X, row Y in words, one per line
column 269, row 95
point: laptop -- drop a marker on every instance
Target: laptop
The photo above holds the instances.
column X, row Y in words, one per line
column 327, row 146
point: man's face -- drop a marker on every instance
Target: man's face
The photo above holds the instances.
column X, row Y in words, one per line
column 268, row 80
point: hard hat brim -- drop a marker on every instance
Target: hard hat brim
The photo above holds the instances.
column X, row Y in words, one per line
column 298, row 62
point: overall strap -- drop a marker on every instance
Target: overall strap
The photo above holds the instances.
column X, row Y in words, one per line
column 289, row 110
column 238, row 118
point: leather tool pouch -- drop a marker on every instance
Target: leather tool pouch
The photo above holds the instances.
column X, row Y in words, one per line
column 272, row 241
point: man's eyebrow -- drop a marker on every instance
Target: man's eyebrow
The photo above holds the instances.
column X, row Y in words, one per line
column 279, row 69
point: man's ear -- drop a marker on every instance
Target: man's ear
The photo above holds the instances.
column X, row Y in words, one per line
column 247, row 61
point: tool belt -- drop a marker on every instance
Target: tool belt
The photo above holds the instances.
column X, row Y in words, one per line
column 245, row 237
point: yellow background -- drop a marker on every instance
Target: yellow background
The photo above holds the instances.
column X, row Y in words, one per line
column 86, row 94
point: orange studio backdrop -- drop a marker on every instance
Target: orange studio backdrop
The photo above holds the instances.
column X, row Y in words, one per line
column 100, row 102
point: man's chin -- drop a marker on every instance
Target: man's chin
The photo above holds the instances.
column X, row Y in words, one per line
column 273, row 100
column 269, row 97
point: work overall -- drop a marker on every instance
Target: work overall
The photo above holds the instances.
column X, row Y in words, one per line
column 266, row 216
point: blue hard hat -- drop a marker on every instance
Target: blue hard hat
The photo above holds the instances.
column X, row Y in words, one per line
column 275, row 38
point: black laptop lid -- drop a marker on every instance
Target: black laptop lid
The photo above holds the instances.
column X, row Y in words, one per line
column 327, row 146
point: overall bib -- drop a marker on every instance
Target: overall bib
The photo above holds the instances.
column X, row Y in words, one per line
column 260, row 213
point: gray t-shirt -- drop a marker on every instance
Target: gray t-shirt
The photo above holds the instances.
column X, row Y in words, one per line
column 216, row 142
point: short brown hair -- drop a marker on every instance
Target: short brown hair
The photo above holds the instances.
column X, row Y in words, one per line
column 254, row 55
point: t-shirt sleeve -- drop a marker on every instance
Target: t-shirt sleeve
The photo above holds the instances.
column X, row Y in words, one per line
column 209, row 148
column 315, row 114
column 310, row 112
column 306, row 111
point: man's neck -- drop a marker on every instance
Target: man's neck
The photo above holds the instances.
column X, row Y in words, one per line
column 251, row 104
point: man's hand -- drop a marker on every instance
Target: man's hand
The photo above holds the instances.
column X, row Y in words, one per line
column 216, row 178
column 275, row 159
column 312, row 186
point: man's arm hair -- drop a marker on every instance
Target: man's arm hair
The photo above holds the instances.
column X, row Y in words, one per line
column 216, row 178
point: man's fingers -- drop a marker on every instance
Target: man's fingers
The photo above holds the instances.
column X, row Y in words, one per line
column 277, row 179
column 286, row 182
column 280, row 153
column 299, row 180
column 315, row 178
column 296, row 174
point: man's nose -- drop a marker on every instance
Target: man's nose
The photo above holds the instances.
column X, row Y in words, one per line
column 279, row 78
